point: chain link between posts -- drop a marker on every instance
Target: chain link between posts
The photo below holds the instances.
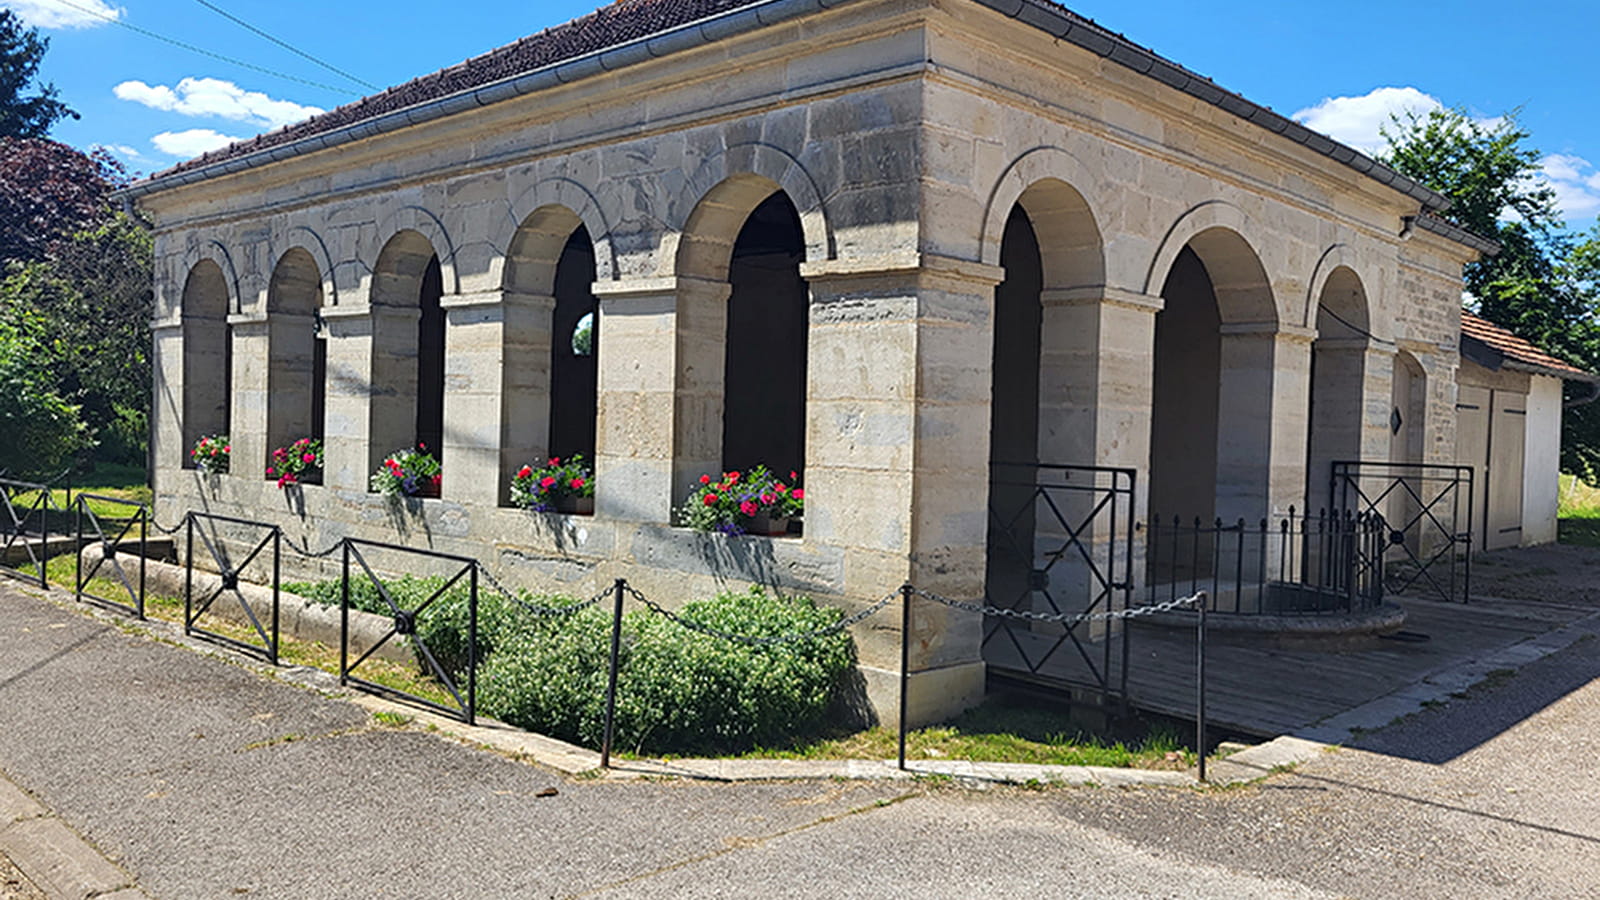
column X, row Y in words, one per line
column 768, row 641
column 537, row 609
column 1067, row 619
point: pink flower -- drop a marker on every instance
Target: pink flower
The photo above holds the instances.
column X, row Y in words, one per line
column 798, row 494
column 437, row 479
column 766, row 498
column 309, row 458
column 269, row 470
column 576, row 483
column 555, row 460
column 793, row 475
column 748, row 508
column 227, row 449
column 547, row 481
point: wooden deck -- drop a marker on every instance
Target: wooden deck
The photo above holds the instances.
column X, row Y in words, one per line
column 1269, row 691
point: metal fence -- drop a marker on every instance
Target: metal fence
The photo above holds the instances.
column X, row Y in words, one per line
column 223, row 538
column 1429, row 510
column 29, row 509
column 1327, row 563
column 111, row 534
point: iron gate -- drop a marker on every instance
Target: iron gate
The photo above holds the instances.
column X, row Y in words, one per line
column 218, row 546
column 27, row 507
column 1428, row 511
column 1060, row 540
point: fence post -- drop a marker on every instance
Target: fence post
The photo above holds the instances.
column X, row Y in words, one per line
column 611, row 679
column 1200, row 684
column 188, row 572
column 344, row 613
column 77, row 562
column 472, row 648
column 144, row 548
column 905, row 663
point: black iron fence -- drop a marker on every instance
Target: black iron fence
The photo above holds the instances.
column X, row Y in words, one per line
column 28, row 513
column 1325, row 563
column 234, row 547
column 112, row 535
column 1429, row 511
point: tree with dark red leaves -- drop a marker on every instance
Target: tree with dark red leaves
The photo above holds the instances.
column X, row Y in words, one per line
column 49, row 191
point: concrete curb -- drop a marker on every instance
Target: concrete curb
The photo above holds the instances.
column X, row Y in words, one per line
column 56, row 859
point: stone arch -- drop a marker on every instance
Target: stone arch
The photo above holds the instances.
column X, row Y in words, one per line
column 1215, row 231
column 1342, row 310
column 207, row 353
column 308, row 240
column 708, row 212
column 550, row 205
column 297, row 285
column 425, row 224
column 217, row 253
column 397, row 274
column 1345, row 379
column 408, row 346
column 1042, row 181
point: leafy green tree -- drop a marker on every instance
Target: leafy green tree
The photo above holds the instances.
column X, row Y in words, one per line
column 42, row 429
column 23, row 114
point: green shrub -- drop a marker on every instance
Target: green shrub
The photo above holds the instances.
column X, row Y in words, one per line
column 678, row 691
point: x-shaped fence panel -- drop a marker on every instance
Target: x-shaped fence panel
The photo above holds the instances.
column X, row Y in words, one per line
column 1429, row 511
column 460, row 685
column 110, row 534
column 25, row 509
column 219, row 536
column 1060, row 540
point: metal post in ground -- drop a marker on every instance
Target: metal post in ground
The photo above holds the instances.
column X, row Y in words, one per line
column 1200, row 684
column 344, row 615
column 905, row 663
column 188, row 573
column 77, row 564
column 277, row 579
column 472, row 649
column 611, row 679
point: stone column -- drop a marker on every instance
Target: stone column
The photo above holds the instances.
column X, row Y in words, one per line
column 898, row 458
column 660, row 363
column 1262, row 420
column 1350, row 409
column 247, row 420
column 497, row 391
column 167, row 450
column 1097, row 349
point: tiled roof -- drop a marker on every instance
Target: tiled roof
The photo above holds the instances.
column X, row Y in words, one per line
column 618, row 23
column 1519, row 353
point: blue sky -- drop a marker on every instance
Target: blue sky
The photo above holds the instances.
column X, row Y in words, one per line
column 1340, row 68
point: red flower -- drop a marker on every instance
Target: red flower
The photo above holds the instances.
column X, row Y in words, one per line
column 733, row 476
column 748, row 508
column 798, row 494
column 525, row 472
column 547, row 481
column 555, row 460
column 576, row 483
column 766, row 498
column 227, row 449
column 309, row 458
column 437, row 479
column 793, row 475
column 709, row 499
column 780, row 488
column 421, row 446
column 705, row 479
column 269, row 470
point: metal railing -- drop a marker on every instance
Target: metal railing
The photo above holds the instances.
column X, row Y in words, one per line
column 1328, row 563
column 209, row 528
column 1429, row 508
column 25, row 513
column 90, row 527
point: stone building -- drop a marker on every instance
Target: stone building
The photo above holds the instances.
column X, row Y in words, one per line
column 881, row 242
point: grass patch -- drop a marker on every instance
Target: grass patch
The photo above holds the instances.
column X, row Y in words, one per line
column 1001, row 731
column 121, row 482
column 1578, row 516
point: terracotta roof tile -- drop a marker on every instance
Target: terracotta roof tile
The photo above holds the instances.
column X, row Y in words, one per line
column 1517, row 350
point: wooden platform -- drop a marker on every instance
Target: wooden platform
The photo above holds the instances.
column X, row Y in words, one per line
column 1268, row 691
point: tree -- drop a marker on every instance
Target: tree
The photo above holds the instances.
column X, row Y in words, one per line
column 49, row 191
column 42, row 429
column 1543, row 285
column 21, row 51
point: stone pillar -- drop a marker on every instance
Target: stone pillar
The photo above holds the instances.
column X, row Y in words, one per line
column 1350, row 409
column 1262, row 420
column 1095, row 409
column 497, row 391
column 167, row 450
column 897, row 459
column 660, row 381
column 247, row 421
column 372, row 389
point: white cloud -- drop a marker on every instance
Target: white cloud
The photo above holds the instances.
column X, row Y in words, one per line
column 52, row 14
column 1356, row 120
column 122, row 150
column 216, row 97
column 191, row 143
column 1576, row 182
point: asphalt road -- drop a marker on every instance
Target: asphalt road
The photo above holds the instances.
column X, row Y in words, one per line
column 205, row 779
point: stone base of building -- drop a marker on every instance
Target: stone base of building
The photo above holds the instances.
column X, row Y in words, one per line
column 934, row 695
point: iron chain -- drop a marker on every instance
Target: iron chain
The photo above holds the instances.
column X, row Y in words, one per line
column 1068, row 619
column 749, row 640
column 534, row 608
column 304, row 549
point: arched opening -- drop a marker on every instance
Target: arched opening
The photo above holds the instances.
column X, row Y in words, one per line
column 207, row 356
column 764, row 390
column 1186, row 394
column 1338, row 383
column 297, row 356
column 575, row 340
column 407, row 397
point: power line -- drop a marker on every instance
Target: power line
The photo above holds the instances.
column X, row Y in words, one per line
column 284, row 44
column 200, row 50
